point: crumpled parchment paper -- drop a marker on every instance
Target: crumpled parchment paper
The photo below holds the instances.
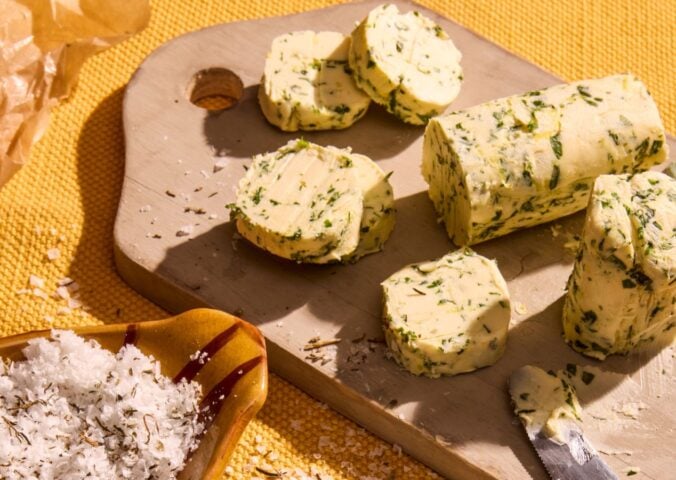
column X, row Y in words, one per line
column 43, row 44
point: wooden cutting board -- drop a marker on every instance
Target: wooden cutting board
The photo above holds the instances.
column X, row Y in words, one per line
column 175, row 245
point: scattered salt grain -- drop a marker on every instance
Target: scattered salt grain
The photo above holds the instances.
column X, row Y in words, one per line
column 35, row 281
column 64, row 281
column 73, row 409
column 38, row 292
column 62, row 292
column 74, row 303
column 213, row 216
column 220, row 164
column 145, row 209
column 185, row 230
column 204, row 173
column 53, row 254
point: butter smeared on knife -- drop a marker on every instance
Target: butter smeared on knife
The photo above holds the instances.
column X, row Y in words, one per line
column 549, row 410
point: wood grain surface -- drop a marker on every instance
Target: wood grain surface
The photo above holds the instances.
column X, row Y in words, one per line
column 182, row 165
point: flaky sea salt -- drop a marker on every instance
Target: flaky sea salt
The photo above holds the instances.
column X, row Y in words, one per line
column 185, row 230
column 35, row 281
column 75, row 410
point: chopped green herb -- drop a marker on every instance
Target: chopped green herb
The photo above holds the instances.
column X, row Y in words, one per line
column 555, row 141
column 587, row 377
column 554, row 181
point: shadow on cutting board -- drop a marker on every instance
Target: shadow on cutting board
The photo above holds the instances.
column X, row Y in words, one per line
column 346, row 300
column 100, row 170
column 236, row 132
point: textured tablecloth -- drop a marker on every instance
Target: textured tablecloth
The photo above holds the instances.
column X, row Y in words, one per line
column 66, row 198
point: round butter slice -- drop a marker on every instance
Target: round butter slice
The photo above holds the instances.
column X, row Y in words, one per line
column 302, row 202
column 307, row 85
column 447, row 316
column 378, row 218
column 405, row 62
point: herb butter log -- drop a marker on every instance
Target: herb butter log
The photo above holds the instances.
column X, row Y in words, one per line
column 447, row 316
column 622, row 291
column 307, row 84
column 314, row 204
column 528, row 159
column 405, row 62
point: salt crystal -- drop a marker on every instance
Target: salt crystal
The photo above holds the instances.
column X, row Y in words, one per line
column 53, row 231
column 185, row 230
column 38, row 292
column 204, row 173
column 74, row 303
column 145, row 209
column 213, row 216
column 63, row 292
column 53, row 254
column 35, row 281
column 220, row 164
column 229, row 470
column 64, row 281
column 63, row 311
column 48, row 319
column 262, row 449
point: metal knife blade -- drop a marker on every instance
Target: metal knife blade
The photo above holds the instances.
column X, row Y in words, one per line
column 574, row 459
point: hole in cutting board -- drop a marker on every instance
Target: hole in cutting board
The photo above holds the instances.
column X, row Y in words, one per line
column 215, row 89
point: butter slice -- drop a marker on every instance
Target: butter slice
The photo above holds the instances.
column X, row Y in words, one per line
column 378, row 218
column 307, row 84
column 302, row 202
column 405, row 62
column 622, row 292
column 447, row 316
column 528, row 159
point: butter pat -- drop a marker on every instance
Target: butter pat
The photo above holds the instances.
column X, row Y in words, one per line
column 301, row 202
column 314, row 204
column 520, row 161
column 447, row 316
column 307, row 84
column 622, row 292
column 378, row 217
column 405, row 62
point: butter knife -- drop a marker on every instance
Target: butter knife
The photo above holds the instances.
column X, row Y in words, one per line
column 568, row 455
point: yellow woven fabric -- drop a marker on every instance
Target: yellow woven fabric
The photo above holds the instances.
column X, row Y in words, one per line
column 67, row 196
